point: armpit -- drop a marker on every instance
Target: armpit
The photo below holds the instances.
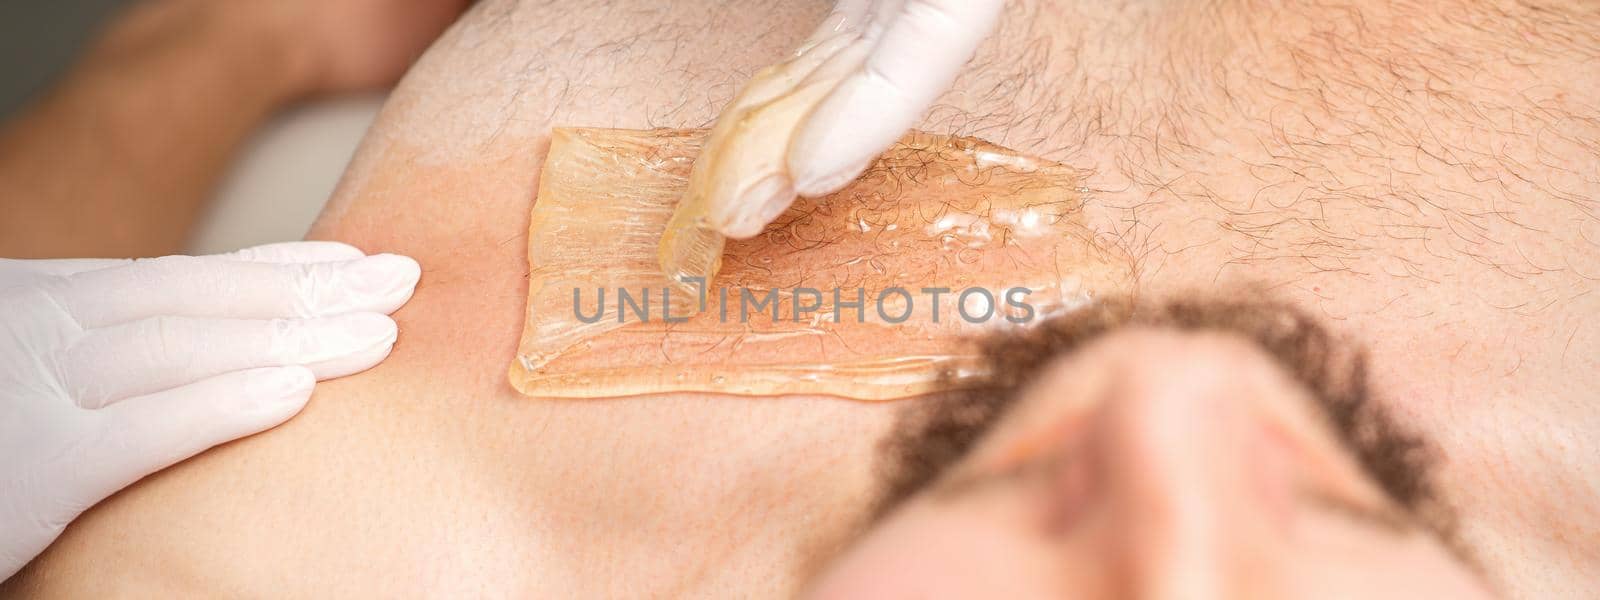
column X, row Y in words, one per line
column 874, row 293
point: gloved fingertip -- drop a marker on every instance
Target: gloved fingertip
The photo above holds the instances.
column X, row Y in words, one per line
column 275, row 388
column 386, row 281
column 367, row 330
column 354, row 343
column 758, row 206
column 825, row 157
column 822, row 183
column 297, row 252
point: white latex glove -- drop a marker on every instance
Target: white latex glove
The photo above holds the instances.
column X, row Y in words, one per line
column 113, row 369
column 895, row 58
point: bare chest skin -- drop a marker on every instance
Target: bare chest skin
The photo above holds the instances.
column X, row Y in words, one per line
column 1425, row 183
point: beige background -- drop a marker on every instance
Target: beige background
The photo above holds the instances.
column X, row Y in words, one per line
column 282, row 176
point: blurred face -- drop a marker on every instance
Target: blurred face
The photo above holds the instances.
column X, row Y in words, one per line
column 1208, row 451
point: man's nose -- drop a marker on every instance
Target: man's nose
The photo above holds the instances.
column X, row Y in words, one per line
column 1189, row 477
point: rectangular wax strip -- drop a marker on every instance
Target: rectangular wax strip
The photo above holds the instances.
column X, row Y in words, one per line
column 933, row 212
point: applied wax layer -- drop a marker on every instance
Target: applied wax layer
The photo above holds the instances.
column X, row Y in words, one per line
column 840, row 296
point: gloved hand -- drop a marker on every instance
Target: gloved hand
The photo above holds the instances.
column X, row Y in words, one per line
column 896, row 57
column 113, row 369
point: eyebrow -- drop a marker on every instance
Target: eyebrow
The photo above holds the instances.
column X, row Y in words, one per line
column 1386, row 519
column 945, row 488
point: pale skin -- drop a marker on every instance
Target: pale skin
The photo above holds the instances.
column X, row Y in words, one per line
column 1421, row 182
